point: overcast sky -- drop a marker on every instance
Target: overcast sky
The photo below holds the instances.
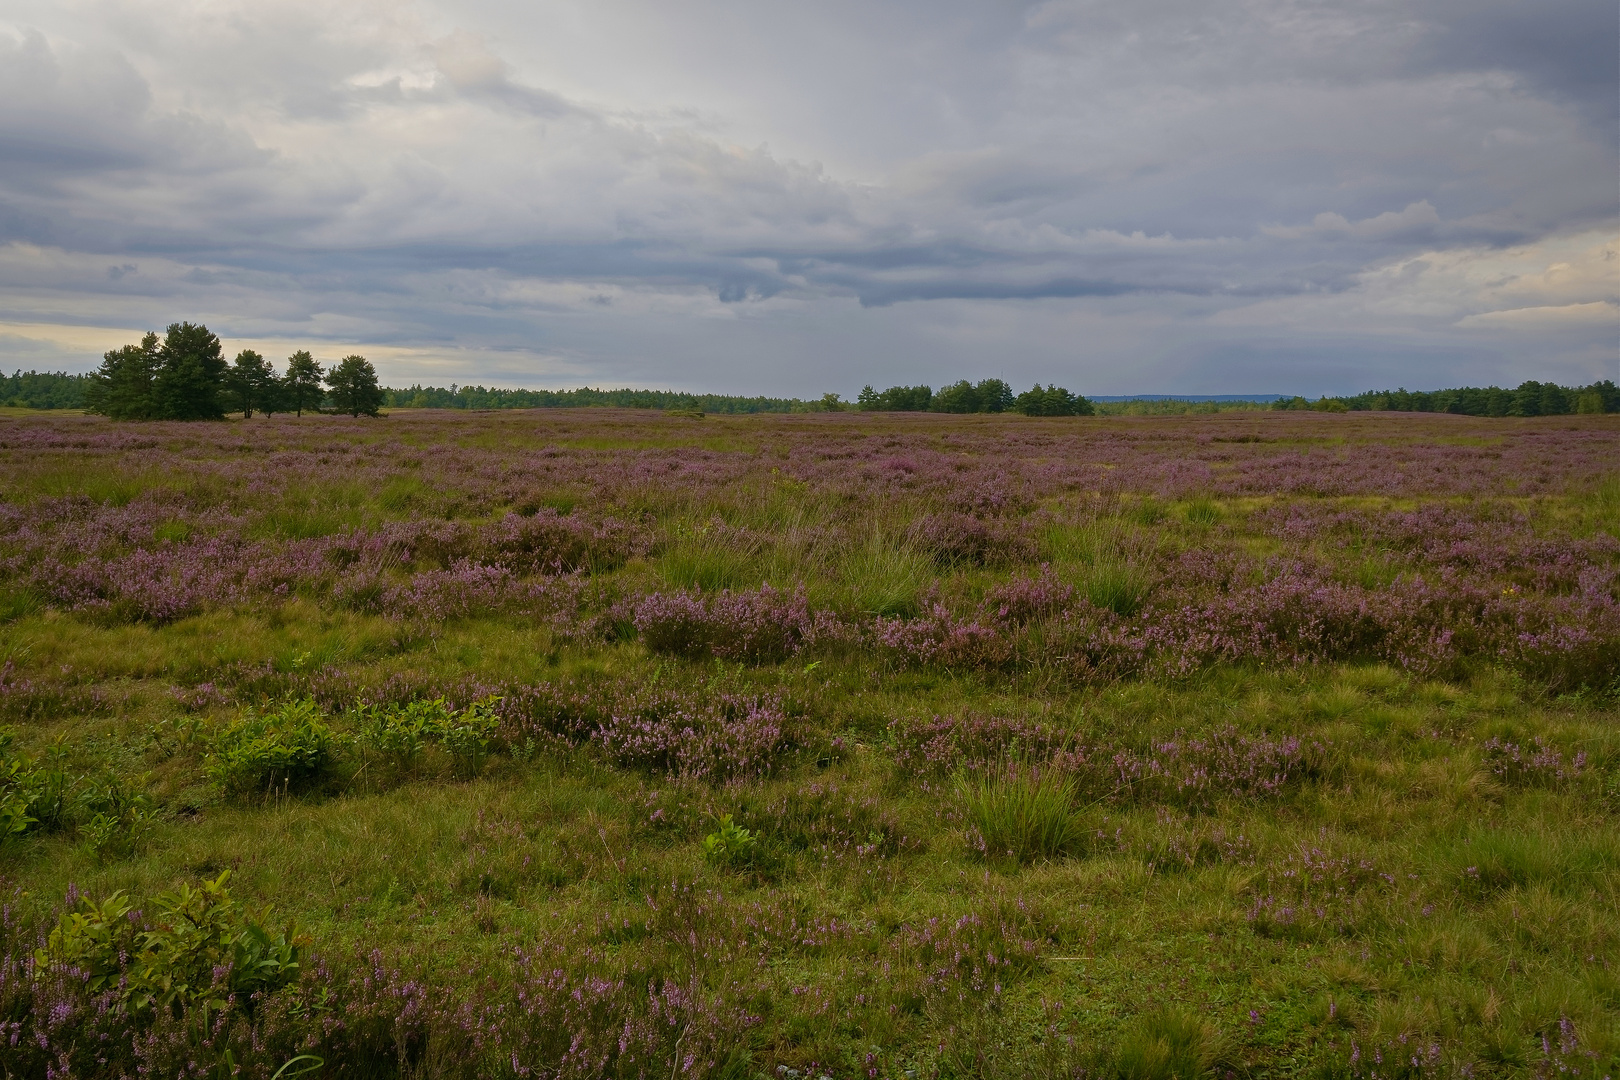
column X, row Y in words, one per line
column 1195, row 196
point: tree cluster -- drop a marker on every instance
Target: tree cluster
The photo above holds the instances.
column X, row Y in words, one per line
column 986, row 396
column 479, row 397
column 184, row 376
column 42, row 390
column 1529, row 398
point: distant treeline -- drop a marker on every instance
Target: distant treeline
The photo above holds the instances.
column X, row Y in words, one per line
column 1176, row 407
column 184, row 376
column 1527, row 399
column 478, row 397
column 42, row 390
column 986, row 396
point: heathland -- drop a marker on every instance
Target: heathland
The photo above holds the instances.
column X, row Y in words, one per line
column 610, row 743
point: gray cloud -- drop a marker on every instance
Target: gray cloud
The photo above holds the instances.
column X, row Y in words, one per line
column 1183, row 184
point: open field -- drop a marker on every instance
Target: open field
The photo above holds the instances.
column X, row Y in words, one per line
column 585, row 743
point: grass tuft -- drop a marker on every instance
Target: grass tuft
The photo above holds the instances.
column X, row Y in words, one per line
column 1168, row 1044
column 1022, row 814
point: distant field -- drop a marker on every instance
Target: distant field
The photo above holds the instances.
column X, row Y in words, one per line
column 606, row 743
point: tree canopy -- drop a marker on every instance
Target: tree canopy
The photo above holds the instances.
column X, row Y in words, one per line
column 354, row 387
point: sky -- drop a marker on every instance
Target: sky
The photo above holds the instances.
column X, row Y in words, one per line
column 1161, row 196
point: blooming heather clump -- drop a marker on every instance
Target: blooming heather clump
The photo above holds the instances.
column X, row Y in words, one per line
column 563, row 1025
column 937, row 636
column 1189, row 770
column 980, row 952
column 762, row 625
column 964, row 538
column 715, row 738
column 1200, row 770
column 1535, row 765
column 942, row 745
column 549, row 542
column 1023, row 599
column 29, row 699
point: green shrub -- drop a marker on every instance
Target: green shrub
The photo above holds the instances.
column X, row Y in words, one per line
column 113, row 818
column 290, row 747
column 730, row 845
column 204, row 948
column 400, row 733
column 1022, row 814
column 32, row 796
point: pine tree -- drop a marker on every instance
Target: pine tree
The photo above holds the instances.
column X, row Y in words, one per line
column 302, row 383
column 354, row 386
column 250, row 383
column 190, row 380
column 123, row 388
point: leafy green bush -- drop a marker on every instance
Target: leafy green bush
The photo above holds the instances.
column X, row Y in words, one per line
column 730, row 845
column 400, row 733
column 32, row 795
column 113, row 818
column 1022, row 814
column 205, row 948
column 290, row 747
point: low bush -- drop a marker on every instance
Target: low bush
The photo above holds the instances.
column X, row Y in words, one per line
column 32, row 795
column 400, row 733
column 203, row 948
column 290, row 747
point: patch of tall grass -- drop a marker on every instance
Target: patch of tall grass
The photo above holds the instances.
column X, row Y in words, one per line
column 1168, row 1044
column 1121, row 587
column 885, row 577
column 1022, row 814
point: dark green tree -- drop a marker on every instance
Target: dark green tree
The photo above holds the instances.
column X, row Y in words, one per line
column 354, row 387
column 250, row 383
column 302, row 383
column 994, row 396
column 896, row 399
column 125, row 386
column 190, row 380
column 1052, row 401
column 958, row 397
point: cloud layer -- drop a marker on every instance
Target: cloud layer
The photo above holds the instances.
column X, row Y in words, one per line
column 1222, row 196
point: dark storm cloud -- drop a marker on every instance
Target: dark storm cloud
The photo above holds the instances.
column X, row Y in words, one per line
column 388, row 174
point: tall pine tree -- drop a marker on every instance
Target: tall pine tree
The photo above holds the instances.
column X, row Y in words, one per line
column 125, row 386
column 191, row 379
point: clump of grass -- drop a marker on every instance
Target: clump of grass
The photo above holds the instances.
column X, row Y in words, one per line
column 885, row 578
column 1203, row 512
column 701, row 561
column 1118, row 586
column 1022, row 814
column 1168, row 1044
column 1149, row 511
